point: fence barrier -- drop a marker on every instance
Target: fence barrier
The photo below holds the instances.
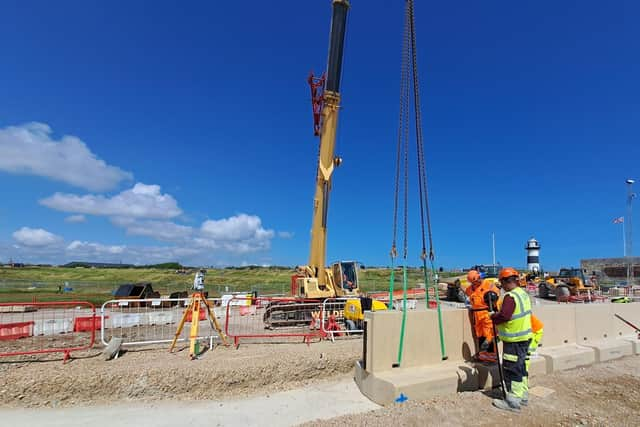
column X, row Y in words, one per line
column 153, row 321
column 47, row 327
column 273, row 320
column 334, row 324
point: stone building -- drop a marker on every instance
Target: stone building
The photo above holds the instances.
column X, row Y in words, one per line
column 612, row 271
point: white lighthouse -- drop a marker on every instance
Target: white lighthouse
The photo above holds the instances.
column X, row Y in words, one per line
column 533, row 255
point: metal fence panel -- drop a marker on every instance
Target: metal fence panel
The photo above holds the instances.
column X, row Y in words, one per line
column 273, row 320
column 47, row 327
column 152, row 321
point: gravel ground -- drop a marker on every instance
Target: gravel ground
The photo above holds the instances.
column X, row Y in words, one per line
column 606, row 394
column 155, row 374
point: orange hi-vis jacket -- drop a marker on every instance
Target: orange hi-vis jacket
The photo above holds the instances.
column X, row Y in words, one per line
column 482, row 322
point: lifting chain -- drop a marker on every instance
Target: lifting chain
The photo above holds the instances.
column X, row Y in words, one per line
column 409, row 68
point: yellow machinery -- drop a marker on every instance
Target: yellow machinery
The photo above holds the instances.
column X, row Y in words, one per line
column 315, row 280
column 354, row 311
column 569, row 281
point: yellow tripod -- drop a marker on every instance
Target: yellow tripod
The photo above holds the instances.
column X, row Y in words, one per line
column 197, row 299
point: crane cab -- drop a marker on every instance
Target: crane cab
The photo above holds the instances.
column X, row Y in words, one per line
column 345, row 275
column 341, row 279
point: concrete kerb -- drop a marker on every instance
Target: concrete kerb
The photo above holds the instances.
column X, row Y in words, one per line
column 574, row 336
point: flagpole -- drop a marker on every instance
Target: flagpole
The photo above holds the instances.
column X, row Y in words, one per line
column 624, row 242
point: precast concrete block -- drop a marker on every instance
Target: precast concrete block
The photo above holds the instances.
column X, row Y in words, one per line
column 416, row 383
column 568, row 356
column 375, row 389
column 383, row 339
column 421, row 344
column 635, row 343
column 559, row 323
column 594, row 322
column 609, row 349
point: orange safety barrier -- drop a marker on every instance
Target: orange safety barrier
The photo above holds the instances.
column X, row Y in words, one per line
column 87, row 323
column 14, row 331
column 47, row 327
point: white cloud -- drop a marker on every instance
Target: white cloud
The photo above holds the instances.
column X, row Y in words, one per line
column 285, row 234
column 29, row 149
column 240, row 233
column 87, row 248
column 75, row 219
column 36, row 237
column 141, row 201
column 237, row 234
column 165, row 231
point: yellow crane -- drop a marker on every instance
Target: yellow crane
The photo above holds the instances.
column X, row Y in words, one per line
column 315, row 280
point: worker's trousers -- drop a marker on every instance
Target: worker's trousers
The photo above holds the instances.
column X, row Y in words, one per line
column 514, row 356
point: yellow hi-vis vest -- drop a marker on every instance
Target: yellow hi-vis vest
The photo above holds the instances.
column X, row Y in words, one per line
column 519, row 327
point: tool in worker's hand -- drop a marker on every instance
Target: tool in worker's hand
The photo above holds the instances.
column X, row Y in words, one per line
column 630, row 324
column 491, row 298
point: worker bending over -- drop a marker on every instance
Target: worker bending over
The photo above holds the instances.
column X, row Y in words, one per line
column 513, row 323
column 482, row 324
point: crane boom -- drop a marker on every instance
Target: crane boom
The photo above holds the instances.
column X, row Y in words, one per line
column 327, row 161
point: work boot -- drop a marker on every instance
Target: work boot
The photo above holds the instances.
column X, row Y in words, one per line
column 511, row 403
column 525, row 399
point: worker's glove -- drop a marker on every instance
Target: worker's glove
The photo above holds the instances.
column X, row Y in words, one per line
column 485, row 345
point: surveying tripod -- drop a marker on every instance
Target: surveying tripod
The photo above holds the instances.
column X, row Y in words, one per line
column 196, row 301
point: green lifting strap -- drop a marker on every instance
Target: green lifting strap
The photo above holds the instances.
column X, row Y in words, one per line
column 404, row 312
column 428, row 285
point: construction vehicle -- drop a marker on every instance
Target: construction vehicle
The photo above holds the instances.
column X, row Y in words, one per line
column 568, row 282
column 315, row 281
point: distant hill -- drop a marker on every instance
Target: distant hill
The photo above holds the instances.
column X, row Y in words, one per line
column 163, row 266
column 96, row 265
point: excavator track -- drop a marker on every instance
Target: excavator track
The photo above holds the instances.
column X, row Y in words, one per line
column 284, row 314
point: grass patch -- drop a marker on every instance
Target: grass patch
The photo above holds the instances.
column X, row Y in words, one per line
column 97, row 284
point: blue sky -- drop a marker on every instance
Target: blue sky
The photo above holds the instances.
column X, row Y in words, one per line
column 192, row 130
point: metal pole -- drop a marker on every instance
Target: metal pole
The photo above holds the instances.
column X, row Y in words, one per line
column 629, row 219
column 629, row 228
column 624, row 244
column 493, row 247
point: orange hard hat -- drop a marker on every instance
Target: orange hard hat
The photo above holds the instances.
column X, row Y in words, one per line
column 473, row 276
column 508, row 272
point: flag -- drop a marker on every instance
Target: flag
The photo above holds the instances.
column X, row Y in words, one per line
column 618, row 220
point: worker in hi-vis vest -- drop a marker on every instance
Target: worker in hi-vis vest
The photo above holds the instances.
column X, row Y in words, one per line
column 513, row 323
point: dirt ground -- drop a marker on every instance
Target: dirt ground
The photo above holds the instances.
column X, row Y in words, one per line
column 155, row 374
column 606, row 394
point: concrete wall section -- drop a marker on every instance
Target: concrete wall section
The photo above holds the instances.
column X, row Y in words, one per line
column 559, row 324
column 574, row 335
column 421, row 339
